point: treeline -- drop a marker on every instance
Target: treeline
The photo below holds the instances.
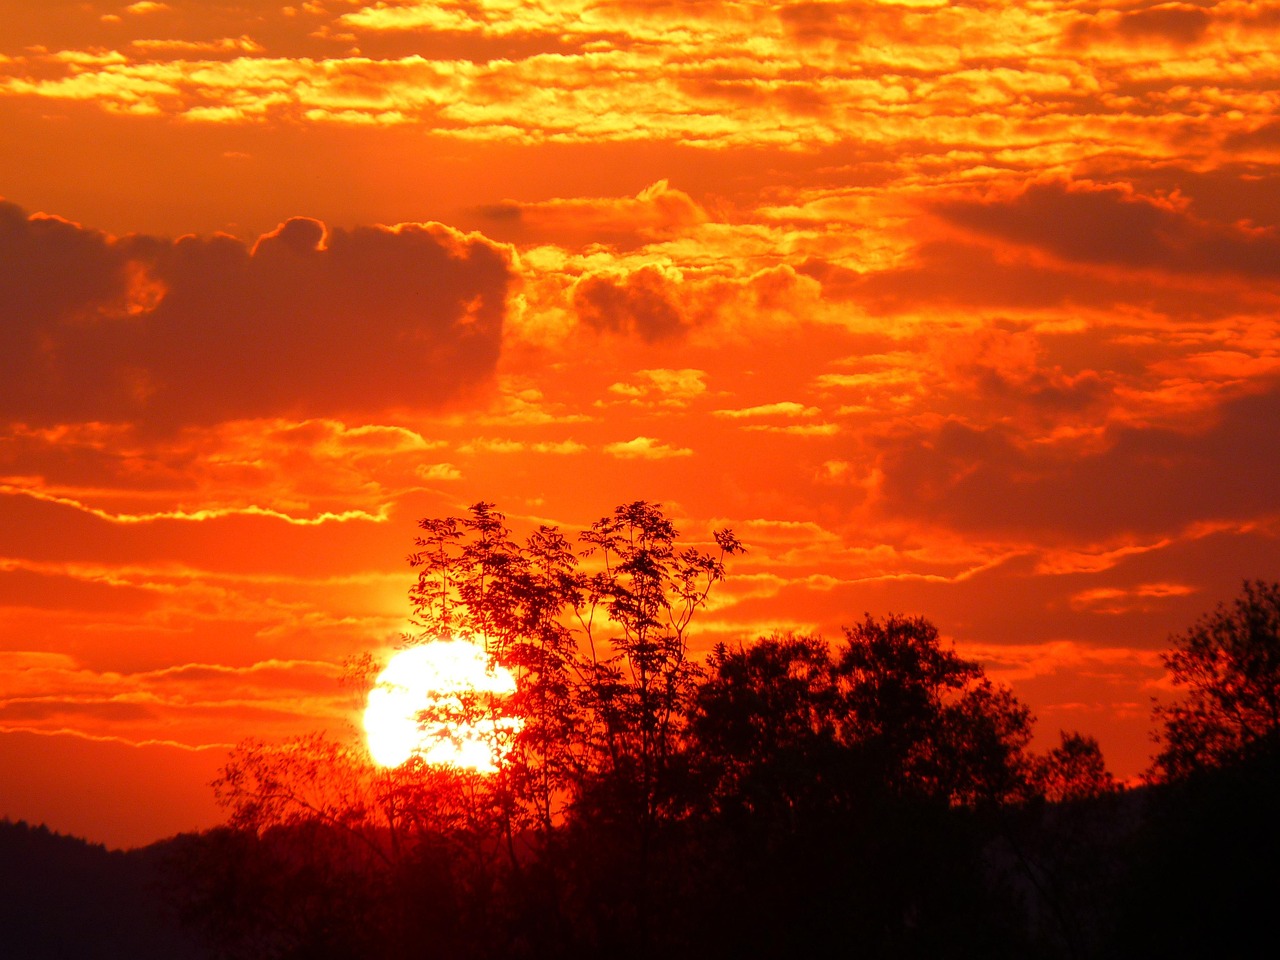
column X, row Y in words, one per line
column 62, row 898
column 875, row 797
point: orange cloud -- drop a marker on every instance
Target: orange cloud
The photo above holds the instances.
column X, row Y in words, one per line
column 782, row 408
column 380, row 307
column 645, row 448
column 198, row 705
column 644, row 303
column 663, row 387
column 657, row 212
column 1110, row 224
column 1138, row 481
column 1117, row 600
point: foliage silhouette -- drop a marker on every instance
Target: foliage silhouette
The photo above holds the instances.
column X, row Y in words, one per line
column 63, row 898
column 1200, row 877
column 599, row 641
column 875, row 796
column 1229, row 661
column 1073, row 770
column 827, row 806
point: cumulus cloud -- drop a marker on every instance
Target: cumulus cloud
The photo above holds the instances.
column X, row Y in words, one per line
column 645, row 448
column 663, row 387
column 645, row 303
column 306, row 321
column 439, row 471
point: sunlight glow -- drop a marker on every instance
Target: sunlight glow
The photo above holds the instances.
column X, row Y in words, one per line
column 442, row 701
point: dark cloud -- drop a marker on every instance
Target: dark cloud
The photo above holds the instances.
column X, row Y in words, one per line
column 1086, row 223
column 1267, row 136
column 1177, row 23
column 1154, row 480
column 26, row 589
column 108, row 710
column 645, row 303
column 855, row 22
column 1180, row 23
column 1047, row 390
column 52, row 274
column 1230, row 193
column 199, row 330
column 976, row 275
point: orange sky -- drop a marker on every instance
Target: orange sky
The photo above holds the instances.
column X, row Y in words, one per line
column 960, row 309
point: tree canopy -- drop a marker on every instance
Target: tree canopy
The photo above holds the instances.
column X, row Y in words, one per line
column 650, row 795
column 1229, row 664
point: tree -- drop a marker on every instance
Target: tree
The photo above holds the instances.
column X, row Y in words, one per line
column 890, row 699
column 1229, row 662
column 634, row 615
column 842, row 784
column 938, row 726
column 475, row 581
column 1063, row 847
column 598, row 637
column 1073, row 770
column 764, row 729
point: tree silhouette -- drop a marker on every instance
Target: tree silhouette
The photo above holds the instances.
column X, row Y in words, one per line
column 1073, row 770
column 889, row 699
column 1229, row 662
column 598, row 639
column 1064, row 847
column 786, row 797
column 937, row 725
column 1200, row 877
column 842, row 786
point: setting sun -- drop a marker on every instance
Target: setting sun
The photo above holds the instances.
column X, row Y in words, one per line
column 440, row 701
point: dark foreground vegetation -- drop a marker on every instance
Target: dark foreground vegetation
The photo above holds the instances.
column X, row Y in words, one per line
column 873, row 797
column 64, row 899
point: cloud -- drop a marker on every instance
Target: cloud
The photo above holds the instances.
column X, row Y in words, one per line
column 308, row 321
column 439, row 471
column 490, row 445
column 196, row 703
column 645, row 448
column 797, row 429
column 782, row 408
column 228, row 45
column 657, row 212
column 208, row 513
column 1111, row 224
column 1014, row 663
column 1143, row 480
column 663, row 387
column 1118, row 600
column 644, row 303
column 147, row 6
column 1265, row 136
column 315, row 470
column 1177, row 23
column 518, row 403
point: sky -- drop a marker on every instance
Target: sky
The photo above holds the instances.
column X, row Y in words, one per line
column 964, row 310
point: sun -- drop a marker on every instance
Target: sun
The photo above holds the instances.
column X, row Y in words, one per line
column 442, row 701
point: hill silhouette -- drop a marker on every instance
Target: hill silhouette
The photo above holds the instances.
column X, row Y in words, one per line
column 63, row 898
